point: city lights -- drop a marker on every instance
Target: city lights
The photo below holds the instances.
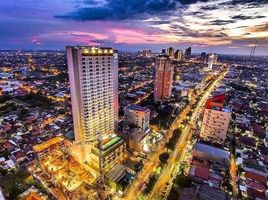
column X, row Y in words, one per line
column 133, row 100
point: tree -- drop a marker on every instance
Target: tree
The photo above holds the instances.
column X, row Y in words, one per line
column 163, row 158
column 150, row 184
column 173, row 140
column 182, row 181
column 233, row 116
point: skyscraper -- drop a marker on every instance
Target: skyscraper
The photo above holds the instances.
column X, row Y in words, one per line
column 203, row 57
column 170, row 52
column 187, row 54
column 215, row 58
column 163, row 78
column 93, row 76
column 178, row 55
column 215, row 121
column 146, row 53
column 211, row 60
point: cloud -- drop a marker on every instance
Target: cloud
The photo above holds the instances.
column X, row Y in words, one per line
column 244, row 17
column 220, row 22
column 122, row 10
column 259, row 28
column 130, row 24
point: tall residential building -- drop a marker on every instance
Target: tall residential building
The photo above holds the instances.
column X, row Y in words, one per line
column 211, row 59
column 170, row 52
column 93, row 76
column 216, row 120
column 163, row 78
column 147, row 53
column 187, row 54
column 203, row 57
column 178, row 55
column 137, row 117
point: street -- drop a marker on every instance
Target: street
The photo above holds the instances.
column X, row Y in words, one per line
column 175, row 158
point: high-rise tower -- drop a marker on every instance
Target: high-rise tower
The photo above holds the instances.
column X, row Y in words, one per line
column 212, row 58
column 178, row 55
column 93, row 76
column 163, row 78
column 170, row 52
column 187, row 54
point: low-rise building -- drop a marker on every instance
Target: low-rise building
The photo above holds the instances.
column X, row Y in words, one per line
column 137, row 117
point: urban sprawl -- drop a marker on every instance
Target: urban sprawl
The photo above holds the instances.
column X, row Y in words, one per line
column 96, row 123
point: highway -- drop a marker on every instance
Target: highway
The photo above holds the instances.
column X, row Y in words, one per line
column 149, row 166
column 134, row 190
column 174, row 162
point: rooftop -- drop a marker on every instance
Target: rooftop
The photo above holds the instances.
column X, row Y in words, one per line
column 43, row 146
column 137, row 107
column 109, row 146
column 212, row 150
column 116, row 173
column 255, row 166
column 111, row 143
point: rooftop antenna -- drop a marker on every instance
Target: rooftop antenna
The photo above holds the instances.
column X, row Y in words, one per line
column 252, row 53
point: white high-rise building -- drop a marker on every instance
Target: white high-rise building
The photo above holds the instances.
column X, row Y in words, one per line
column 212, row 57
column 93, row 76
column 215, row 125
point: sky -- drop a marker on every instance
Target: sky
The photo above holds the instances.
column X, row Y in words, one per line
column 220, row 26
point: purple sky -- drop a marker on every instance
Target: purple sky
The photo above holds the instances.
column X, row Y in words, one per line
column 221, row 26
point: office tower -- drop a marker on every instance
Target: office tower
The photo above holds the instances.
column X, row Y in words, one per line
column 178, row 55
column 215, row 121
column 137, row 117
column 187, row 54
column 170, row 52
column 203, row 57
column 215, row 58
column 163, row 51
column 93, row 76
column 163, row 78
column 211, row 61
column 146, row 53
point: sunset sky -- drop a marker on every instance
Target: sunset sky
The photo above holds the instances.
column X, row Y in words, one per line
column 229, row 26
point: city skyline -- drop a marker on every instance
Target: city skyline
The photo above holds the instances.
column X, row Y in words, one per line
column 225, row 27
column 133, row 99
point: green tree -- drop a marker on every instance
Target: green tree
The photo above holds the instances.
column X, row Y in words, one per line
column 163, row 158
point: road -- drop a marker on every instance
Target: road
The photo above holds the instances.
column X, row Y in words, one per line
column 134, row 190
column 234, row 178
column 149, row 166
column 174, row 162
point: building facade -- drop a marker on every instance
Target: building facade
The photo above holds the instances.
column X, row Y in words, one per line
column 211, row 60
column 137, row 117
column 188, row 53
column 170, row 52
column 164, row 71
column 93, row 76
column 146, row 53
column 178, row 55
column 216, row 120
